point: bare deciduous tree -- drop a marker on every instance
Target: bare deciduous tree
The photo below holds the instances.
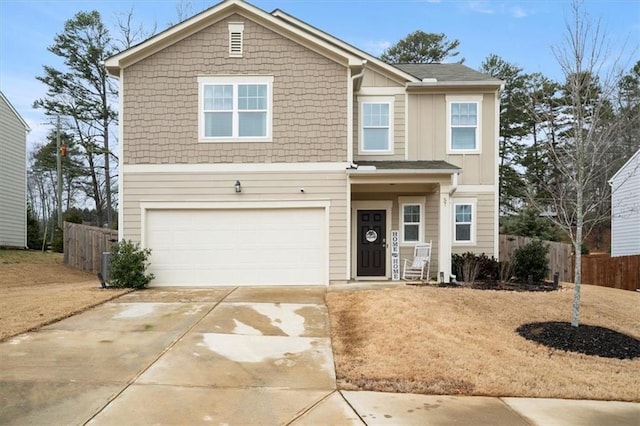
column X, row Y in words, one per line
column 580, row 150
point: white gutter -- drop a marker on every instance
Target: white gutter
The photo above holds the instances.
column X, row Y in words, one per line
column 454, row 183
column 350, row 93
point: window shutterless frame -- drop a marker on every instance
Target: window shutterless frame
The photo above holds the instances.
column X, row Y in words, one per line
column 412, row 220
column 464, row 222
column 235, row 108
column 464, row 118
column 376, row 125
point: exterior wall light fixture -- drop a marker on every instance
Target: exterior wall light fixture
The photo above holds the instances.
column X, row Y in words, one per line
column 238, row 186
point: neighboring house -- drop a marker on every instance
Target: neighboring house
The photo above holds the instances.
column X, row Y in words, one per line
column 13, row 176
column 625, row 208
column 257, row 149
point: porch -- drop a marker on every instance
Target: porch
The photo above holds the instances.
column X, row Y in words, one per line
column 394, row 205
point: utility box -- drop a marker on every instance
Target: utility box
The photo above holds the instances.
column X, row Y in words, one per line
column 105, row 270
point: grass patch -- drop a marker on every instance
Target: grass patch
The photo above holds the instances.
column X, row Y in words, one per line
column 464, row 342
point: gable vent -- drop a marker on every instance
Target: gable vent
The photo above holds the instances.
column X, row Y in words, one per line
column 236, row 30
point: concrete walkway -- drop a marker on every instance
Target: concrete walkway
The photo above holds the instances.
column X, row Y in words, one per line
column 228, row 356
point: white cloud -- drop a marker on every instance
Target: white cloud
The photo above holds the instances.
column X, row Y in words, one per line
column 481, row 7
column 518, row 12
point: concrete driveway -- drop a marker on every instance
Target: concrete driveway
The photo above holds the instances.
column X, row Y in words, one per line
column 225, row 356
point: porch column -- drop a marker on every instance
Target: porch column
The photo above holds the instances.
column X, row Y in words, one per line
column 444, row 246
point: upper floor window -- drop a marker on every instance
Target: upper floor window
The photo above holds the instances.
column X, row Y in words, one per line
column 412, row 218
column 464, row 221
column 463, row 116
column 235, row 108
column 376, row 125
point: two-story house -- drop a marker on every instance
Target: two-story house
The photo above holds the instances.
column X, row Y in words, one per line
column 258, row 150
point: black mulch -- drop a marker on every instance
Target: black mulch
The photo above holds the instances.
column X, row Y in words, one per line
column 585, row 339
column 504, row 285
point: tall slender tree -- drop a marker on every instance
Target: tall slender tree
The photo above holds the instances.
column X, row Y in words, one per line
column 83, row 94
column 514, row 126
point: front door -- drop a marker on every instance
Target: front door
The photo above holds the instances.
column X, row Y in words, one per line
column 372, row 243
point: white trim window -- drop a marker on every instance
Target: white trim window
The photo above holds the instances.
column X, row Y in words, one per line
column 463, row 122
column 376, row 125
column 464, row 218
column 411, row 219
column 235, row 109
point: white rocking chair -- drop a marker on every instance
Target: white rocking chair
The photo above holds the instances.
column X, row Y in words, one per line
column 418, row 267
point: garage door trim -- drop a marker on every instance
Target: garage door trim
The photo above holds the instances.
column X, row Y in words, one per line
column 145, row 207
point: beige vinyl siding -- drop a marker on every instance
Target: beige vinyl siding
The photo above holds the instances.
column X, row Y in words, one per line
column 160, row 111
column 431, row 217
column 428, row 136
column 376, row 78
column 209, row 187
column 398, row 131
column 484, row 221
column 13, row 198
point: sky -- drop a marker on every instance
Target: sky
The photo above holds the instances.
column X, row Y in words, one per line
column 521, row 32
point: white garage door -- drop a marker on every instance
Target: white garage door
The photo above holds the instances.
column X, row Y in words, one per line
column 237, row 247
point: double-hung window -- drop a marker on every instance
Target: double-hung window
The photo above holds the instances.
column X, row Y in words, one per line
column 464, row 228
column 412, row 218
column 464, row 117
column 376, row 129
column 235, row 108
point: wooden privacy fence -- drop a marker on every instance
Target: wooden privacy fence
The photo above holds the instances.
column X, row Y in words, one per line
column 616, row 272
column 560, row 255
column 84, row 245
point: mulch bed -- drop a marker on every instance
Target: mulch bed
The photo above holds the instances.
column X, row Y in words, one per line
column 505, row 286
column 585, row 339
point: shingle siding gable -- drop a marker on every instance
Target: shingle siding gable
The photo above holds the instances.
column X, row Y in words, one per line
column 161, row 100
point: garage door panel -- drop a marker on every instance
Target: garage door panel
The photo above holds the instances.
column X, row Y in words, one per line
column 237, row 247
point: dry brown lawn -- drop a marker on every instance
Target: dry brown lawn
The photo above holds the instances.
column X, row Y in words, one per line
column 37, row 289
column 461, row 341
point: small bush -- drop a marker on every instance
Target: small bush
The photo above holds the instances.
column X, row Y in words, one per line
column 470, row 267
column 34, row 239
column 128, row 265
column 531, row 259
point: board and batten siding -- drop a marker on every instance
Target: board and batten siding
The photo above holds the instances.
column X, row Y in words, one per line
column 217, row 187
column 160, row 92
column 625, row 209
column 13, row 175
column 427, row 136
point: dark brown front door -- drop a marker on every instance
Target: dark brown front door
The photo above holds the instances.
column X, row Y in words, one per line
column 372, row 241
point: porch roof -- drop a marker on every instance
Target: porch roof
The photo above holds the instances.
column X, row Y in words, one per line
column 413, row 167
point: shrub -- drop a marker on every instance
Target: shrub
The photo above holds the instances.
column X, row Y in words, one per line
column 471, row 267
column 531, row 259
column 128, row 265
column 34, row 240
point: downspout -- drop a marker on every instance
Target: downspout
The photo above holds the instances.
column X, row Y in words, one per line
column 454, row 183
column 350, row 119
column 350, row 84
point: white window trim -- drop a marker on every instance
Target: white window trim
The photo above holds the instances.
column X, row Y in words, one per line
column 473, row 202
column 375, row 100
column 412, row 201
column 452, row 99
column 234, row 80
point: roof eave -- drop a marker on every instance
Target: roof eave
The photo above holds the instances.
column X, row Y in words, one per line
column 450, row 83
column 343, row 45
column 381, row 172
column 200, row 21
